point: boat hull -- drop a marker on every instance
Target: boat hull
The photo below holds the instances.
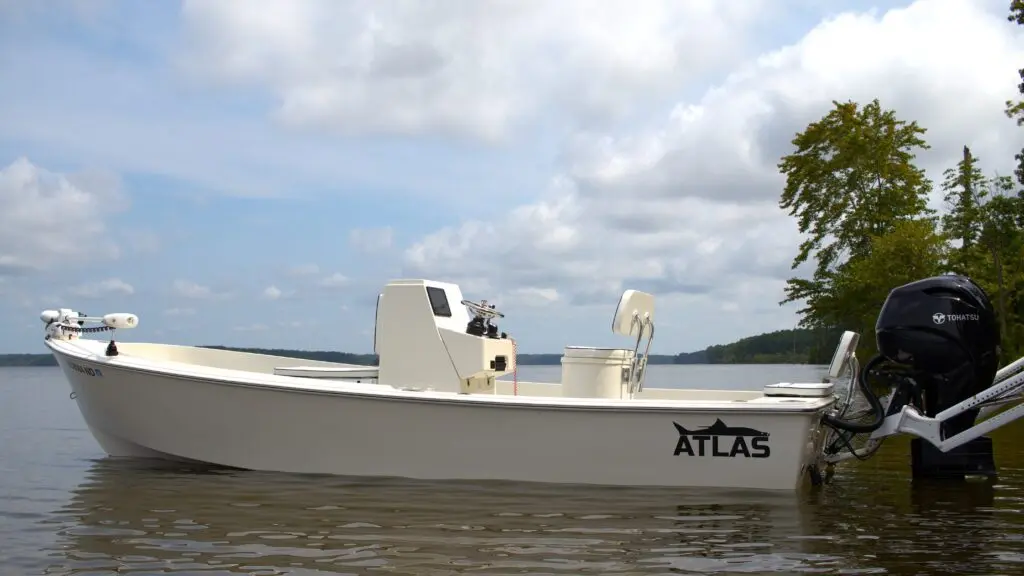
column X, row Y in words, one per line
column 139, row 413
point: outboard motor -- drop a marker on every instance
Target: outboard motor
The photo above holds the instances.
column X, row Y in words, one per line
column 943, row 335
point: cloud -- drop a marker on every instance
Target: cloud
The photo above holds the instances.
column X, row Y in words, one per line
column 726, row 145
column 180, row 312
column 531, row 297
column 275, row 293
column 108, row 287
column 336, row 280
column 194, row 291
column 474, row 69
column 49, row 219
column 371, row 240
column 619, row 167
column 690, row 208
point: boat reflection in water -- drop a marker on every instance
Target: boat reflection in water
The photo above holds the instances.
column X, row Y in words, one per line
column 133, row 516
column 148, row 516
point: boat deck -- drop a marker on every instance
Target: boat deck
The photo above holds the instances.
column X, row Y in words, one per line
column 255, row 370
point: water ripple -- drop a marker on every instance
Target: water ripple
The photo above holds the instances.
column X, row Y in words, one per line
column 66, row 510
column 135, row 518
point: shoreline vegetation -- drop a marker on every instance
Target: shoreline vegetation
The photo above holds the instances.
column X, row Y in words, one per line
column 799, row 346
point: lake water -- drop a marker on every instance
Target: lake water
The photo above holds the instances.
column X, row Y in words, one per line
column 65, row 509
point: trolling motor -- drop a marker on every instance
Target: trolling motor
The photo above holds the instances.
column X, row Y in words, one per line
column 938, row 351
column 66, row 324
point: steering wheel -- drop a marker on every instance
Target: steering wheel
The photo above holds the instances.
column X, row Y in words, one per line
column 481, row 309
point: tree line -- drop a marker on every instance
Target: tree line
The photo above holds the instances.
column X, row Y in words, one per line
column 781, row 347
column 799, row 346
column 860, row 199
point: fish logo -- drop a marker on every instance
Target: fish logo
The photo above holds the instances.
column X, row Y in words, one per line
column 720, row 440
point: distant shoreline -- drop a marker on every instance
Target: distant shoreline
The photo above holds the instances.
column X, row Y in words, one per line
column 47, row 360
column 798, row 346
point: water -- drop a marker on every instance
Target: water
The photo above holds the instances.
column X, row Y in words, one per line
column 65, row 509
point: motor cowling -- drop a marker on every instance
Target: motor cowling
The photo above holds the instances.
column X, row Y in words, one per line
column 944, row 329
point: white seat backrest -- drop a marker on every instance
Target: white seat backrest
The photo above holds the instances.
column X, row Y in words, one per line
column 632, row 303
column 847, row 347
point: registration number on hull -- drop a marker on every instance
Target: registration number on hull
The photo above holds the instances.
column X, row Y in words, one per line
column 93, row 372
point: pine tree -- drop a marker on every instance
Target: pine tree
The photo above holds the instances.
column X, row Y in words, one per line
column 965, row 187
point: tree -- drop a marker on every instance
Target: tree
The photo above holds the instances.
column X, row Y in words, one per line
column 1002, row 235
column 965, row 188
column 851, row 180
column 999, row 261
column 911, row 250
column 1015, row 109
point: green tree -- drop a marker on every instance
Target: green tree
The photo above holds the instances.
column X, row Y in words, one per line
column 911, row 250
column 1015, row 109
column 998, row 263
column 965, row 190
column 1003, row 238
column 851, row 179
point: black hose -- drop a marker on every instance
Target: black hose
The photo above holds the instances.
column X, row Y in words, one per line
column 876, row 404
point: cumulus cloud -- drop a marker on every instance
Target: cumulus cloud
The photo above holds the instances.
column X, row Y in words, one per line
column 953, row 81
column 108, row 287
column 691, row 207
column 336, row 280
column 194, row 291
column 49, row 219
column 472, row 68
column 272, row 293
column 657, row 182
column 531, row 297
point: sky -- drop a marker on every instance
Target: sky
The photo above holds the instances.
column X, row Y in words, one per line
column 252, row 173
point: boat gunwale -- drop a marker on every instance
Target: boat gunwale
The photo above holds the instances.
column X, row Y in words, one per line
column 383, row 392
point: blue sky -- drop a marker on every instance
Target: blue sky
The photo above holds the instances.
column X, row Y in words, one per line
column 252, row 173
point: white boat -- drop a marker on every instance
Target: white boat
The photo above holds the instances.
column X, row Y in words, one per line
column 436, row 408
